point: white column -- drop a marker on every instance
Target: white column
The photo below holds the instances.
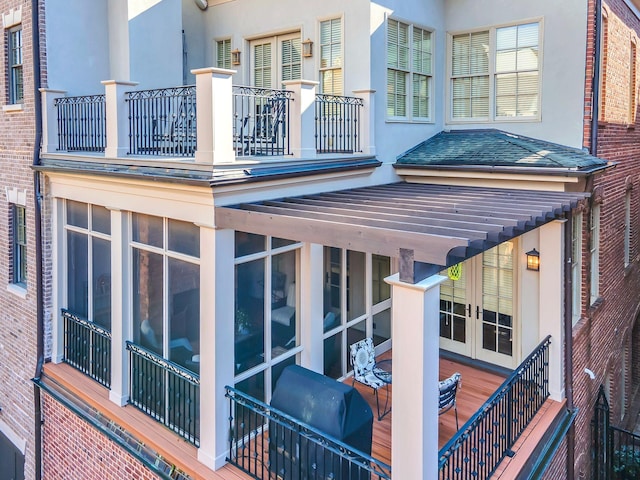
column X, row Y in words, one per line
column 120, row 315
column 302, row 117
column 117, row 117
column 414, row 429
column 216, row 342
column 312, row 307
column 50, row 119
column 58, row 257
column 214, row 110
column 118, row 22
column 367, row 121
column 551, row 301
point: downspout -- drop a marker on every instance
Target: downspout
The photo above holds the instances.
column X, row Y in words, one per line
column 568, row 341
column 595, row 84
column 35, row 44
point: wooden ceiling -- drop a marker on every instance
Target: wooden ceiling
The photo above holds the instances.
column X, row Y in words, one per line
column 442, row 224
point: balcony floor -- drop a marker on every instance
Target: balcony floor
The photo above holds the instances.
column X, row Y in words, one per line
column 477, row 386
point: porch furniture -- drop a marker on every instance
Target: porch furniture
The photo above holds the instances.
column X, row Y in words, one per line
column 263, row 135
column 333, row 408
column 382, row 370
column 448, row 389
column 363, row 360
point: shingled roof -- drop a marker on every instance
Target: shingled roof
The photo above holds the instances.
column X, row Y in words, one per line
column 496, row 148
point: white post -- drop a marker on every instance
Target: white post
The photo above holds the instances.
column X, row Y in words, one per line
column 58, row 267
column 117, row 118
column 311, row 307
column 302, row 117
column 120, row 316
column 50, row 119
column 216, row 342
column 551, row 301
column 414, row 429
column 367, row 121
column 214, row 110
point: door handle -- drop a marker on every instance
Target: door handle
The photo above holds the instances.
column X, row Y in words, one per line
column 469, row 310
column 477, row 312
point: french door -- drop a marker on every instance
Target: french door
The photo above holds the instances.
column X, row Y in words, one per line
column 478, row 309
column 275, row 60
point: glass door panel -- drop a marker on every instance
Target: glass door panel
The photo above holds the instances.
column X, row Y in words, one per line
column 455, row 309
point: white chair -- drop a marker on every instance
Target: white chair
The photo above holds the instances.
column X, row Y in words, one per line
column 285, row 314
column 363, row 360
column 448, row 389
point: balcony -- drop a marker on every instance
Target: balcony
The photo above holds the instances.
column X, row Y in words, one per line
column 211, row 122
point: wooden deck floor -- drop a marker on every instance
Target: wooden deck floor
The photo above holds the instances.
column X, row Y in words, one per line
column 477, row 386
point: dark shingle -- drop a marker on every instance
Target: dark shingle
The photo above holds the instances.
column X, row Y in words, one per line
column 497, row 148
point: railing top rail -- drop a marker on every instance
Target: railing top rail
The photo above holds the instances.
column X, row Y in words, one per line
column 86, row 323
column 329, row 442
column 321, row 97
column 261, row 92
column 182, row 90
column 97, row 98
column 156, row 359
column 466, row 429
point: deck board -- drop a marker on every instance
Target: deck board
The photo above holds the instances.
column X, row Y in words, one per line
column 477, row 386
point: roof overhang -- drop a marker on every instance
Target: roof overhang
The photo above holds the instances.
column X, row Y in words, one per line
column 439, row 225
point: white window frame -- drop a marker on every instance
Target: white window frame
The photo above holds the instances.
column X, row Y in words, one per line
column 331, row 68
column 223, row 61
column 492, row 74
column 15, row 70
column 576, row 267
column 410, row 73
column 594, row 250
column 19, row 245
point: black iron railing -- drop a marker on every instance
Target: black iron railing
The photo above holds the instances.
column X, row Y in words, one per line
column 81, row 123
column 338, row 124
column 479, row 446
column 165, row 391
column 267, row 443
column 260, row 121
column 87, row 347
column 163, row 121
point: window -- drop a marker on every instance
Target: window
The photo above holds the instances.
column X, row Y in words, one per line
column 604, row 56
column 14, row 45
column 19, row 251
column 495, row 74
column 88, row 245
column 632, row 83
column 166, row 287
column 627, row 228
column 331, row 57
column 266, row 334
column 594, row 248
column 409, row 71
column 576, row 267
column 223, row 53
column 291, row 58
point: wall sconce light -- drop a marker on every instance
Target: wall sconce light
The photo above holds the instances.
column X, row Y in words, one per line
column 307, row 48
column 235, row 57
column 533, row 260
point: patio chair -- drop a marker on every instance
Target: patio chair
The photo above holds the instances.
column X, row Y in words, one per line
column 448, row 390
column 363, row 360
column 265, row 134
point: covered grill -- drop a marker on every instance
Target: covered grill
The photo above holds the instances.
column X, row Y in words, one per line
column 327, row 405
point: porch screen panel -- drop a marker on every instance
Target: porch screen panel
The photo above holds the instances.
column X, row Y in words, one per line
column 148, row 281
column 77, row 273
column 497, row 299
column 184, row 312
column 101, row 265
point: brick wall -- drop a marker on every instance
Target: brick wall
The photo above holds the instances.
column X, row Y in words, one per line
column 75, row 450
column 18, row 349
column 602, row 338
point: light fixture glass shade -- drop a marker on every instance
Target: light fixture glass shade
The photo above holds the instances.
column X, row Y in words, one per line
column 533, row 260
column 307, row 48
column 235, row 57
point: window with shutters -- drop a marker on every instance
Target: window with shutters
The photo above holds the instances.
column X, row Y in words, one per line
column 14, row 46
column 291, row 59
column 495, row 74
column 223, row 53
column 275, row 60
column 19, row 251
column 409, row 71
column 331, row 57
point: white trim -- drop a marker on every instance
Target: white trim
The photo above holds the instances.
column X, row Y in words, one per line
column 19, row 443
column 13, row 18
column 17, row 289
column 13, row 107
column 15, row 196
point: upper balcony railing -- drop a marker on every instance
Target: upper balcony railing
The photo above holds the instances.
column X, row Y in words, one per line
column 211, row 121
column 163, row 121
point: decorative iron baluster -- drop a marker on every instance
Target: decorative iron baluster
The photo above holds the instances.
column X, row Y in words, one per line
column 81, row 123
column 488, row 436
column 337, row 124
column 265, row 442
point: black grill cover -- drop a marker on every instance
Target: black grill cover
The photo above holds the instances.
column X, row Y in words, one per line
column 332, row 407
